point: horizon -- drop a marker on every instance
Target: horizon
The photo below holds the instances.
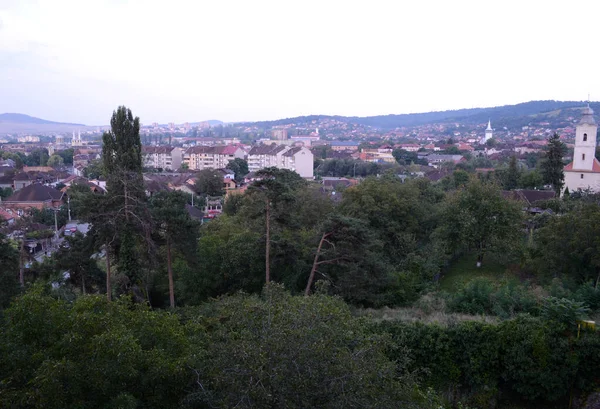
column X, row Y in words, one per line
column 147, row 123
column 248, row 62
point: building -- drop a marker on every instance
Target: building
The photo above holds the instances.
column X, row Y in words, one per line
column 28, row 139
column 489, row 133
column 211, row 157
column 298, row 159
column 584, row 171
column 34, row 196
column 76, row 140
column 280, row 134
column 344, row 145
column 162, row 157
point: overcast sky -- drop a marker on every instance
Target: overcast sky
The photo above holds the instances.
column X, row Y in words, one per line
column 186, row 60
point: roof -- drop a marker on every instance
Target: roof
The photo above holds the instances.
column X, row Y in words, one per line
column 293, row 151
column 529, row 196
column 194, row 212
column 35, row 193
column 272, row 149
column 587, row 117
column 214, row 150
column 595, row 168
column 149, row 150
column 344, row 143
column 21, row 176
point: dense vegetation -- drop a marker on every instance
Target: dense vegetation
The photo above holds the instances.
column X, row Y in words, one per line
column 277, row 302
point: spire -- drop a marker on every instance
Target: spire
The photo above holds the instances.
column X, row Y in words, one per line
column 489, row 127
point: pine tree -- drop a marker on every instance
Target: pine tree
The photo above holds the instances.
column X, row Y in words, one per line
column 552, row 166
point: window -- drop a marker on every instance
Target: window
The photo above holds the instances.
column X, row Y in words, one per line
column 582, row 176
column 583, row 156
column 584, row 137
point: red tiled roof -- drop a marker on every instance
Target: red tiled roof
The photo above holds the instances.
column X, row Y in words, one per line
column 595, row 167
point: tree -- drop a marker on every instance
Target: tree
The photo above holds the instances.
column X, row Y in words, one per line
column 67, row 156
column 239, row 168
column 9, row 271
column 55, row 161
column 125, row 203
column 552, row 164
column 277, row 187
column 512, row 175
column 209, row 182
column 174, row 226
column 478, row 217
column 94, row 169
column 295, row 352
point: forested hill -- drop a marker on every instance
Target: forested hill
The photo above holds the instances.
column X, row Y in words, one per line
column 520, row 113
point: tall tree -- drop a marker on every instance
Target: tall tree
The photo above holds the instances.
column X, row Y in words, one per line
column 175, row 227
column 277, row 187
column 55, row 161
column 122, row 163
column 552, row 165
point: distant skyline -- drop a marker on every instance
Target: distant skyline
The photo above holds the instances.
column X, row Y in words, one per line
column 177, row 61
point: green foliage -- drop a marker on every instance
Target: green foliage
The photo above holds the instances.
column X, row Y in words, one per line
column 5, row 192
column 552, row 165
column 37, row 157
column 294, row 352
column 209, row 182
column 569, row 245
column 407, row 158
column 94, row 170
column 484, row 296
column 56, row 161
column 9, row 271
column 478, row 217
column 563, row 311
column 528, row 357
column 239, row 168
column 90, row 353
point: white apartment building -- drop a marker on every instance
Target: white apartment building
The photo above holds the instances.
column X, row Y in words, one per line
column 299, row 159
column 214, row 157
column 163, row 157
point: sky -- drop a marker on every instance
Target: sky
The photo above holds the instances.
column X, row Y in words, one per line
column 244, row 60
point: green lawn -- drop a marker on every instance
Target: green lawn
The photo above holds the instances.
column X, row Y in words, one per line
column 464, row 269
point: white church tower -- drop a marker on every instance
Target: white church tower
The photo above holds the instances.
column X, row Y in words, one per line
column 584, row 172
column 488, row 133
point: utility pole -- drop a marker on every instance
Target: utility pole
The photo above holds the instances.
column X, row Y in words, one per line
column 69, row 206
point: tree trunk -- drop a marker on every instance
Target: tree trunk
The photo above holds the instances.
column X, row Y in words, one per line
column 21, row 266
column 83, row 283
column 311, row 277
column 108, row 289
column 268, row 248
column 170, row 273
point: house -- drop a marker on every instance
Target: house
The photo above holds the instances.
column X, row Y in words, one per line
column 34, row 196
column 228, row 184
column 212, row 157
column 410, row 147
column 435, row 159
column 162, row 157
column 344, row 145
column 7, row 217
column 529, row 198
column 298, row 159
column 20, row 180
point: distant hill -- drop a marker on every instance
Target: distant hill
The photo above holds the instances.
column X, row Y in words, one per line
column 11, row 123
column 26, row 119
column 515, row 115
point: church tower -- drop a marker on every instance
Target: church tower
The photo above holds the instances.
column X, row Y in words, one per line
column 488, row 133
column 585, row 141
column 584, row 172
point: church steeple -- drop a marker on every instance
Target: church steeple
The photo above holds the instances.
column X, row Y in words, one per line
column 489, row 128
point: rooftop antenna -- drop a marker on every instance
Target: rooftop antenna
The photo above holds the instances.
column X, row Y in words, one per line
column 588, row 101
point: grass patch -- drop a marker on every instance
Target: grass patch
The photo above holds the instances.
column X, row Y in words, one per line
column 465, row 269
